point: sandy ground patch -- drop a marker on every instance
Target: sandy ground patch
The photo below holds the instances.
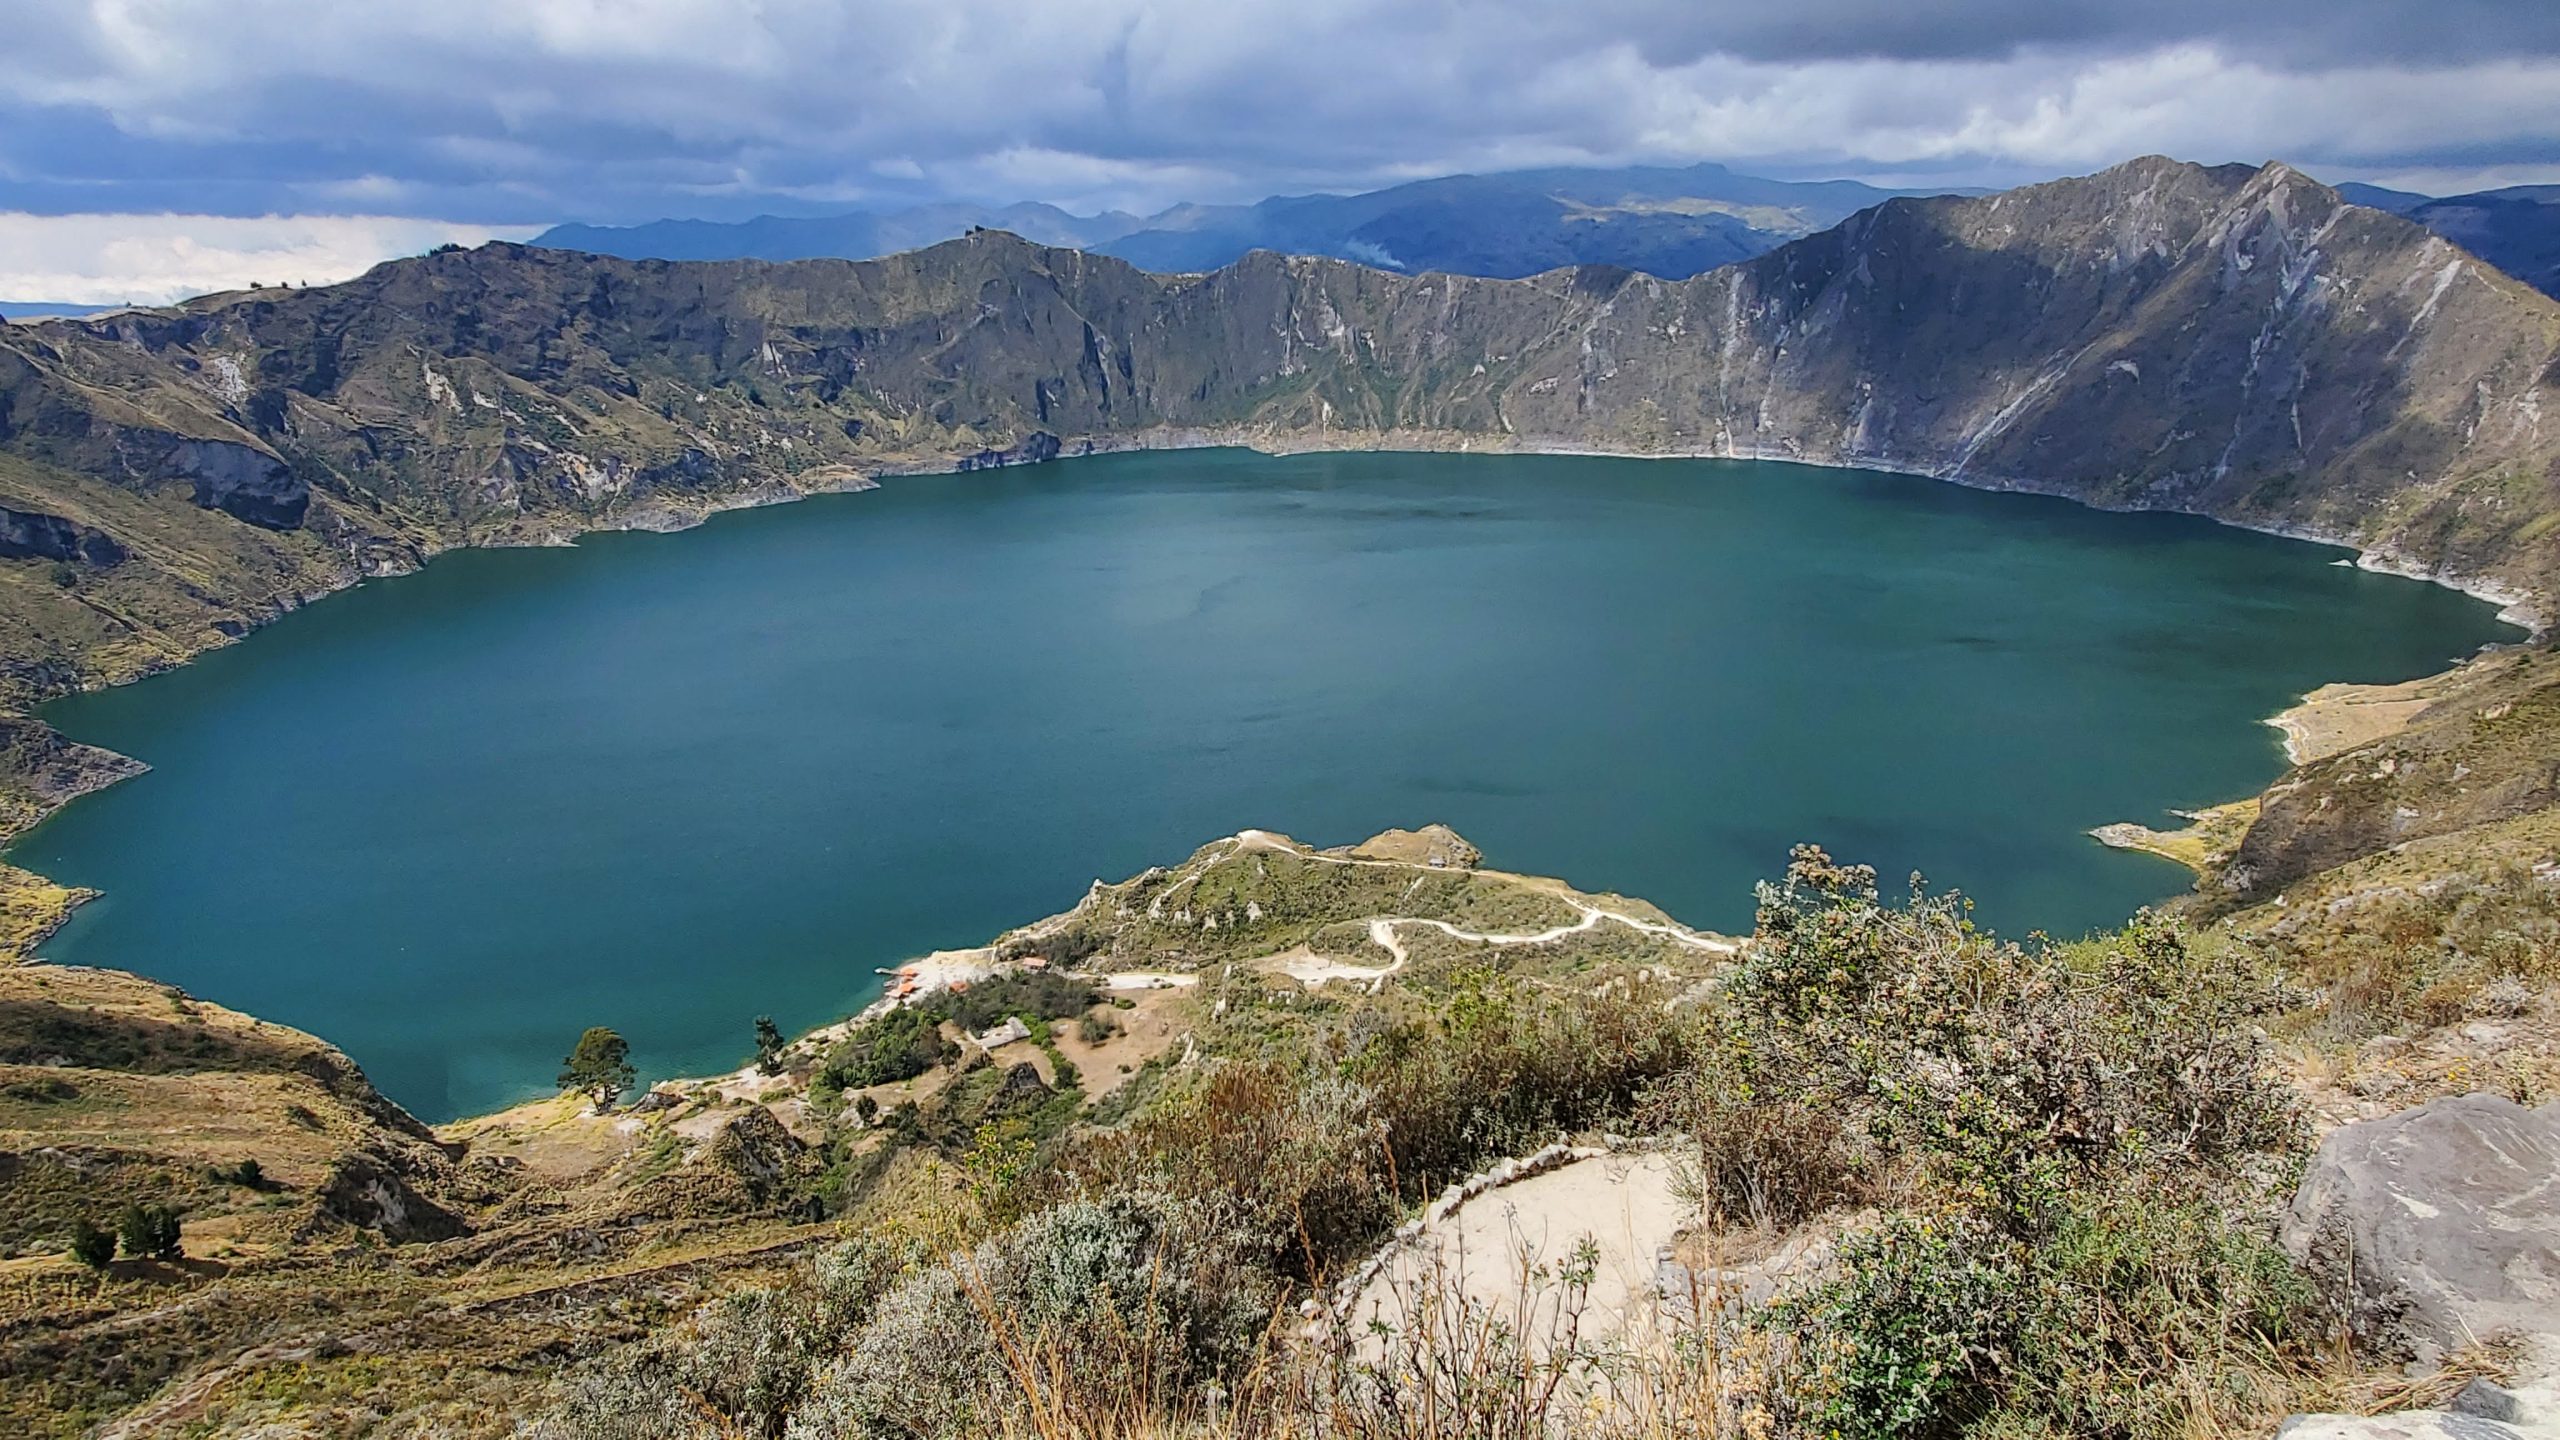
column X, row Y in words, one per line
column 1624, row 1205
column 2337, row 718
column 1156, row 1021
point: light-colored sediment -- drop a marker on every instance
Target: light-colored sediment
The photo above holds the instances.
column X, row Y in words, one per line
column 2329, row 721
column 2337, row 718
column 2216, row 831
column 1498, row 1252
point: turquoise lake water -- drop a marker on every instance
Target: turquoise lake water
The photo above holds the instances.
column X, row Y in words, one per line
column 670, row 782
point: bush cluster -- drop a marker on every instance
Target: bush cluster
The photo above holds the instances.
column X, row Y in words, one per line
column 740, row 1367
column 2050, row 1166
column 1135, row 1296
column 2074, row 1144
column 1312, row 1156
column 1132, row 1294
column 148, row 1232
column 903, row 1043
column 1033, row 995
column 898, row 1045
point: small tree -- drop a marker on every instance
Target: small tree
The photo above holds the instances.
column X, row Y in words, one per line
column 91, row 1245
column 600, row 1066
column 768, row 1045
column 149, row 1231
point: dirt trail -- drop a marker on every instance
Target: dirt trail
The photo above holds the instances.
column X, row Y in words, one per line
column 1382, row 930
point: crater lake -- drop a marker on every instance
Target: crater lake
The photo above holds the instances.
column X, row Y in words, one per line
column 669, row 782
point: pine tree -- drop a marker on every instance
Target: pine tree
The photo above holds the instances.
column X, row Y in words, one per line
column 768, row 1045
column 149, row 1232
column 600, row 1066
column 91, row 1245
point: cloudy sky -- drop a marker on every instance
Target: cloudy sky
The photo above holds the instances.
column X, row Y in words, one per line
column 151, row 148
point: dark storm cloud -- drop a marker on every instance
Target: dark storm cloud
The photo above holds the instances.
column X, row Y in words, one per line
column 523, row 111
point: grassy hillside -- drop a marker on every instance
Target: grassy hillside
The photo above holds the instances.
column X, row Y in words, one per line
column 1085, row 1179
column 376, row 1274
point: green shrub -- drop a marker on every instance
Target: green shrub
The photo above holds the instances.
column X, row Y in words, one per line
column 149, row 1232
column 1137, row 1294
column 1033, row 995
column 248, row 1175
column 1314, row 1156
column 2083, row 1142
column 898, row 1045
column 739, row 1368
column 92, row 1245
column 1064, row 948
column 2133, row 1314
column 599, row 1066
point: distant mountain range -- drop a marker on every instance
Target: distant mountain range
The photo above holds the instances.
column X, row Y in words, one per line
column 1671, row 222
column 2516, row 229
column 46, row 309
column 1663, row 221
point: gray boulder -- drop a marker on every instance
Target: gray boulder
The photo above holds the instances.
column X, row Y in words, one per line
column 2438, row 1225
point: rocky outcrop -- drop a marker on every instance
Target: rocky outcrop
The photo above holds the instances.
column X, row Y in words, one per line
column 1437, row 846
column 380, row 1191
column 32, row 535
column 1037, row 447
column 2437, row 1226
column 758, row 1154
column 241, row 482
column 51, row 771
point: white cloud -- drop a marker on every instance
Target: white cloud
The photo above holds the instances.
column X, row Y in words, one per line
column 154, row 259
column 625, row 109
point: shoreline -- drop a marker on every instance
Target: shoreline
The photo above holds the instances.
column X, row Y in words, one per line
column 2526, row 609
column 2529, row 610
column 918, row 979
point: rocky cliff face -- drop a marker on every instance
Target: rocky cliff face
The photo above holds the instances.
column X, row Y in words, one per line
column 2240, row 344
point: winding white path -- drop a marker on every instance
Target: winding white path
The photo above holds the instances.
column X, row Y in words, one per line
column 1591, row 914
column 1382, row 931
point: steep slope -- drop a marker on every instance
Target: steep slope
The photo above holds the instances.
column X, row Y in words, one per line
column 428, row 1275
column 2237, row 344
column 2516, row 229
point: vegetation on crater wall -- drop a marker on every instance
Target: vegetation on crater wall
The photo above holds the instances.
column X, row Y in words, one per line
column 2053, row 1164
